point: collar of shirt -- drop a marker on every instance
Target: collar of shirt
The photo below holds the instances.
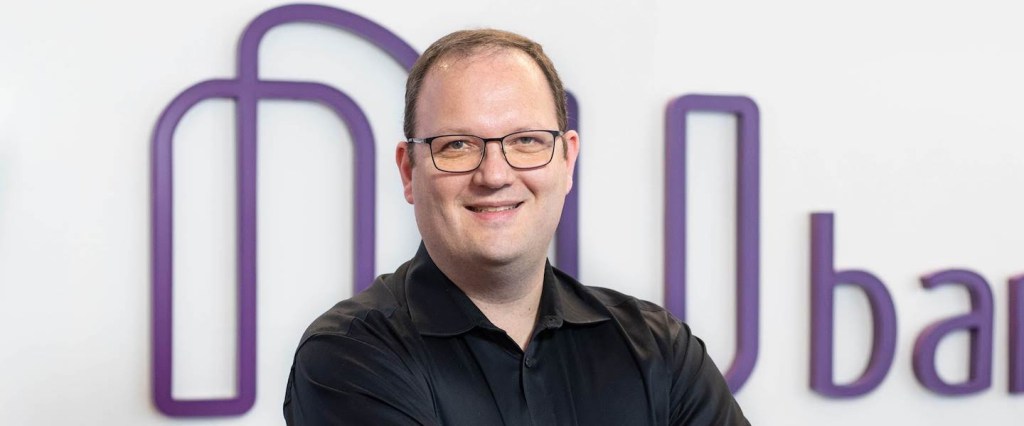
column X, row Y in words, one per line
column 439, row 308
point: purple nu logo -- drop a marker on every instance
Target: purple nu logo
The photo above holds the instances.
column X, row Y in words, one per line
column 247, row 89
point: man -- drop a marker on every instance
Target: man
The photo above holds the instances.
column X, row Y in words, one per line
column 478, row 329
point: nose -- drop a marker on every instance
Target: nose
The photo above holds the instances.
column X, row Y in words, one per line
column 494, row 171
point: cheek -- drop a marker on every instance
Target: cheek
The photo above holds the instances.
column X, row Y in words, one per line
column 548, row 186
column 432, row 193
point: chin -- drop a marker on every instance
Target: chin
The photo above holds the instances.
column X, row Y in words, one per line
column 497, row 254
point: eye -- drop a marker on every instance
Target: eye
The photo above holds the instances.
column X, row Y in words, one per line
column 524, row 140
column 456, row 145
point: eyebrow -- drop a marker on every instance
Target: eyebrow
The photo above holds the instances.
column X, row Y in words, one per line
column 453, row 131
column 463, row 131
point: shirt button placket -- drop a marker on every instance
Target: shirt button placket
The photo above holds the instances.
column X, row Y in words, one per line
column 534, row 387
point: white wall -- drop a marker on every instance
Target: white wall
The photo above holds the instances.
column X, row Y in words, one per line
column 900, row 117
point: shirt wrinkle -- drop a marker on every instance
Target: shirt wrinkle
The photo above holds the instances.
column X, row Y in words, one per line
column 597, row 357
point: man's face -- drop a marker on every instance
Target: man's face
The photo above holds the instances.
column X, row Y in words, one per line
column 494, row 215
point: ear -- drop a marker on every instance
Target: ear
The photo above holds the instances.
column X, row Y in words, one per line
column 571, row 139
column 402, row 159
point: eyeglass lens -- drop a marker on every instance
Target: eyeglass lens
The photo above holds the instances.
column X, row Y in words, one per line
column 462, row 153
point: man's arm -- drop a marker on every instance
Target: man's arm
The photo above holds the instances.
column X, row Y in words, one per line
column 699, row 394
column 340, row 380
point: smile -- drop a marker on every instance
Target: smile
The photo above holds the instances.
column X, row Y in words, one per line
column 494, row 209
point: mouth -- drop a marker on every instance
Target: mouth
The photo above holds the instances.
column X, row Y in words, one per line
column 494, row 208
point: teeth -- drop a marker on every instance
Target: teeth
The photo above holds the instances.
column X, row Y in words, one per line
column 493, row 209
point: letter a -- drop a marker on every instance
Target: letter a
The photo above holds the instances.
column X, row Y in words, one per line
column 978, row 322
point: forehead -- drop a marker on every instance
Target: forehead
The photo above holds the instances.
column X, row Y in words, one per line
column 488, row 90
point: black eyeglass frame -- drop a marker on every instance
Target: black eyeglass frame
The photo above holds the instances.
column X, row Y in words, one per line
column 483, row 155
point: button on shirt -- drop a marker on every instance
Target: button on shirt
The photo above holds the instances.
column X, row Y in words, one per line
column 413, row 349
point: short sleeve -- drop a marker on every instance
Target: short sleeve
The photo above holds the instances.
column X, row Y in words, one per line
column 339, row 380
column 699, row 394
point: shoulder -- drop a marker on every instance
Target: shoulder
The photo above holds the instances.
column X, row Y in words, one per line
column 370, row 322
column 371, row 326
column 646, row 325
column 613, row 299
column 693, row 384
column 370, row 332
column 606, row 297
column 376, row 305
column 638, row 315
column 358, row 363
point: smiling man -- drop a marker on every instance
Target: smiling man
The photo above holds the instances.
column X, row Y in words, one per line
column 478, row 328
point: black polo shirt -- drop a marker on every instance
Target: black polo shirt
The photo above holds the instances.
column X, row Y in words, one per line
column 413, row 349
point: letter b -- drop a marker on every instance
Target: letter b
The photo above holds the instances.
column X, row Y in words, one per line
column 824, row 279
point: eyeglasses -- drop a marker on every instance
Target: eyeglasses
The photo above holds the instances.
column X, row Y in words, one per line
column 528, row 149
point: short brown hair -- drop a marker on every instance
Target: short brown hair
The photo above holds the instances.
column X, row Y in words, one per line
column 468, row 42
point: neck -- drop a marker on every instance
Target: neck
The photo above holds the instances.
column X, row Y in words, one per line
column 508, row 295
